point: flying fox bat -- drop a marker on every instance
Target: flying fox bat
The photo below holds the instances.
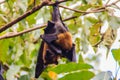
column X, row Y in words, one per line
column 57, row 43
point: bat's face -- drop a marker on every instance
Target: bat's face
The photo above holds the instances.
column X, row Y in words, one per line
column 60, row 27
column 55, row 28
column 50, row 29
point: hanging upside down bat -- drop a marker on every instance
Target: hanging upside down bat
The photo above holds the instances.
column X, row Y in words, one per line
column 57, row 43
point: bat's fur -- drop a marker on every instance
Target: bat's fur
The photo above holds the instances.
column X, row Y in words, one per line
column 57, row 43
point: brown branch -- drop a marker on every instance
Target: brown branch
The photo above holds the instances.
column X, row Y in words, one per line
column 10, row 35
column 36, row 8
column 107, row 2
column 79, row 11
column 84, row 12
column 101, row 9
column 117, row 6
column 113, row 3
column 2, row 2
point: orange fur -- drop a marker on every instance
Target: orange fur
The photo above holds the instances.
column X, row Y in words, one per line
column 65, row 40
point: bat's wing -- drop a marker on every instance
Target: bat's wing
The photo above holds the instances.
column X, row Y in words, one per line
column 50, row 31
column 49, row 58
column 1, row 78
column 70, row 54
column 40, row 63
column 73, row 53
column 49, row 39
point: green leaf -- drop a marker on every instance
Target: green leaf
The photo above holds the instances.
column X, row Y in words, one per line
column 10, row 75
column 24, row 77
column 95, row 36
column 4, row 47
column 45, row 76
column 31, row 19
column 100, row 2
column 104, row 76
column 62, row 68
column 92, row 19
column 116, row 54
column 3, row 20
column 77, row 41
column 83, row 75
column 80, row 60
column 25, row 59
column 73, row 25
column 22, row 5
column 85, row 7
column 10, row 4
column 84, row 1
column 114, row 22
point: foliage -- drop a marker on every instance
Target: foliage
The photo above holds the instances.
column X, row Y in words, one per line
column 92, row 28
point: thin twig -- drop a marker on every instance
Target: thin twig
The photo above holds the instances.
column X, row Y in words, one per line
column 84, row 12
column 113, row 3
column 79, row 11
column 10, row 35
column 101, row 9
column 107, row 2
column 117, row 6
column 2, row 2
column 36, row 8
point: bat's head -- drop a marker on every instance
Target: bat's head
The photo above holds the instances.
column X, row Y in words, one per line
column 60, row 28
column 50, row 29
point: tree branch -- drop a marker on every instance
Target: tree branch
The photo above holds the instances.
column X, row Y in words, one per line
column 117, row 6
column 65, row 7
column 85, row 12
column 47, row 3
column 107, row 2
column 2, row 2
column 101, row 9
column 36, row 8
column 10, row 35
column 113, row 3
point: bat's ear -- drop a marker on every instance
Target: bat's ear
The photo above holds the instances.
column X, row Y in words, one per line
column 50, row 28
column 51, row 23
